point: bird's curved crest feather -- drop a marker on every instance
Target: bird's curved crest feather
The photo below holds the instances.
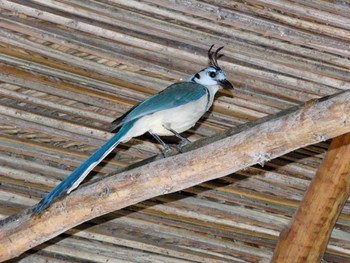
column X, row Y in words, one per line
column 214, row 56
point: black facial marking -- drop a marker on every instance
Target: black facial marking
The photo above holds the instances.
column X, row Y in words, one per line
column 197, row 76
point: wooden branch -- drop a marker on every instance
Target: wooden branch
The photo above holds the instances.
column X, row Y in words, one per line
column 225, row 154
column 306, row 238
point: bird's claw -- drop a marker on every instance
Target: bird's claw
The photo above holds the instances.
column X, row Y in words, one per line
column 166, row 151
column 183, row 143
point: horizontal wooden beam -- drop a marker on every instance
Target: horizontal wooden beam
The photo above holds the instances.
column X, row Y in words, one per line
column 221, row 155
column 306, row 237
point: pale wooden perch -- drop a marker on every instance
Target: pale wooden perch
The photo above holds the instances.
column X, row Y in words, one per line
column 306, row 238
column 238, row 149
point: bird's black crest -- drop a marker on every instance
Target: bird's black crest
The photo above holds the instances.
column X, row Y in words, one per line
column 214, row 56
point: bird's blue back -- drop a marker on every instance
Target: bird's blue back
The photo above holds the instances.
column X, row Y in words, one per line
column 173, row 96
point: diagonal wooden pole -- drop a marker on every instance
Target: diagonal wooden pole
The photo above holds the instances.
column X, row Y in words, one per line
column 306, row 237
column 221, row 155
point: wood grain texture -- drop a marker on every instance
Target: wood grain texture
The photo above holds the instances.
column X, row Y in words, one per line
column 306, row 237
column 317, row 121
column 69, row 67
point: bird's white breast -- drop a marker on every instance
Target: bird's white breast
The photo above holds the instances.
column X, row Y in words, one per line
column 179, row 118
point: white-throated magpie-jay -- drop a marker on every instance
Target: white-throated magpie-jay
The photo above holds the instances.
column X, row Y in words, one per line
column 170, row 112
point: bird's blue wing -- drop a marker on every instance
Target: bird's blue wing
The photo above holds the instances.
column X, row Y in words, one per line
column 173, row 96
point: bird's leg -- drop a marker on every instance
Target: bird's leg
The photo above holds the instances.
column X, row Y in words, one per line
column 184, row 141
column 166, row 148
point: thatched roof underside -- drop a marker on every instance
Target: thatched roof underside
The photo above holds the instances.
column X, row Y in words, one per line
column 69, row 68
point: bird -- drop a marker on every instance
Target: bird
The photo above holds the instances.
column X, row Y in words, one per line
column 170, row 112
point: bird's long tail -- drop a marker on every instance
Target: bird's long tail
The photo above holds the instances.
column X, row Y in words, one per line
column 79, row 174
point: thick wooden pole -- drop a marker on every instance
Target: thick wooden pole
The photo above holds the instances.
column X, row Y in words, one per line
column 232, row 151
column 306, row 237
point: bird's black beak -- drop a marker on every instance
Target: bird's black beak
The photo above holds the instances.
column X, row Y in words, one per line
column 226, row 84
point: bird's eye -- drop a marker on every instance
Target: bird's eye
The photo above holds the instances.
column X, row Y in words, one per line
column 212, row 74
column 197, row 76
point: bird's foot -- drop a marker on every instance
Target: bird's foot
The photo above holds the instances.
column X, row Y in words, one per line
column 166, row 151
column 184, row 141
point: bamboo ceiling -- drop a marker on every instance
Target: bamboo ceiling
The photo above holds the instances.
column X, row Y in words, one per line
column 70, row 67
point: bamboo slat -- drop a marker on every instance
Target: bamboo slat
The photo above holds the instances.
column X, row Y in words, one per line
column 68, row 68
